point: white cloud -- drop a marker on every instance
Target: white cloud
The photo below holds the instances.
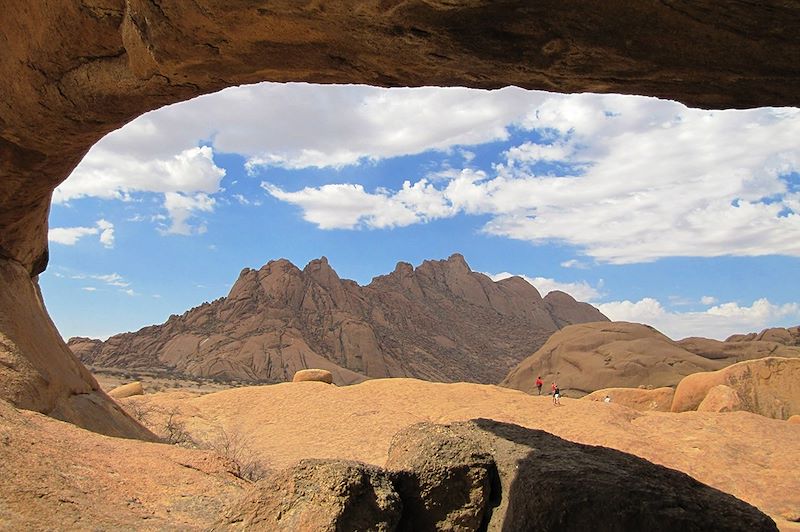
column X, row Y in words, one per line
column 129, row 291
column 574, row 263
column 182, row 208
column 89, row 288
column 635, row 179
column 581, row 290
column 185, row 179
column 69, row 236
column 111, row 279
column 717, row 322
column 644, row 179
column 708, row 300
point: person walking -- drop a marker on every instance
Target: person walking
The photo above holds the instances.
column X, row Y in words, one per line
column 539, row 384
column 556, row 394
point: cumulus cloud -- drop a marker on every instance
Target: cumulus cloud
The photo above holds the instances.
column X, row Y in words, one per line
column 185, row 179
column 625, row 179
column 182, row 208
column 718, row 321
column 69, row 236
column 581, row 290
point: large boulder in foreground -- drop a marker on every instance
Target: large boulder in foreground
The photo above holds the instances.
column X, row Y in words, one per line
column 445, row 478
column 551, row 484
column 768, row 386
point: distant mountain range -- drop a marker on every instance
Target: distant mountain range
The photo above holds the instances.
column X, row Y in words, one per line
column 440, row 321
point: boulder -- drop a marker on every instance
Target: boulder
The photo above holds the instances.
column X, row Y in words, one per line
column 721, row 398
column 588, row 357
column 657, row 400
column 795, row 419
column 551, row 484
column 127, row 390
column 444, row 479
column 768, row 386
column 319, row 495
column 318, row 375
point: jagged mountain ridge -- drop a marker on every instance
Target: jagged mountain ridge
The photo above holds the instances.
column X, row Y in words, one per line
column 439, row 321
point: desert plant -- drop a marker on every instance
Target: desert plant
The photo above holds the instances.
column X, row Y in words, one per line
column 236, row 447
column 173, row 430
column 140, row 411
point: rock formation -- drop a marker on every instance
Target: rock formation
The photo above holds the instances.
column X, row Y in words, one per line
column 72, row 72
column 768, row 386
column 592, row 356
column 439, row 321
column 656, row 400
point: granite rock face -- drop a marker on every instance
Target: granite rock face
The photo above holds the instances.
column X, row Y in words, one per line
column 439, row 321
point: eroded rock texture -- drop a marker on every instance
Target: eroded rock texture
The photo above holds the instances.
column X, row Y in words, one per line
column 440, row 321
column 73, row 71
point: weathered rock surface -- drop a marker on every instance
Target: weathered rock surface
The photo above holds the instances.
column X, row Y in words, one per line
column 768, row 386
column 445, row 479
column 319, row 495
column 56, row 476
column 655, row 400
column 38, row 372
column 439, row 321
column 721, row 398
column 317, row 375
column 359, row 423
column 592, row 356
column 551, row 484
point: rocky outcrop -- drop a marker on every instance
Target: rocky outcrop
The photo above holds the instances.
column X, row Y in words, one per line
column 656, row 400
column 38, row 372
column 592, row 356
column 769, row 387
column 439, row 321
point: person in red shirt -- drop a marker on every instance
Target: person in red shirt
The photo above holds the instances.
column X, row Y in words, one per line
column 539, row 384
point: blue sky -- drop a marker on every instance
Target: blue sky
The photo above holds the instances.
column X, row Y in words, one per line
column 685, row 219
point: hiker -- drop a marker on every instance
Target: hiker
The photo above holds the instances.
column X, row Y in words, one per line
column 556, row 394
column 539, row 383
column 607, row 399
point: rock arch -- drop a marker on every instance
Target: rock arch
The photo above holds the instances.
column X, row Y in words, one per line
column 73, row 71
